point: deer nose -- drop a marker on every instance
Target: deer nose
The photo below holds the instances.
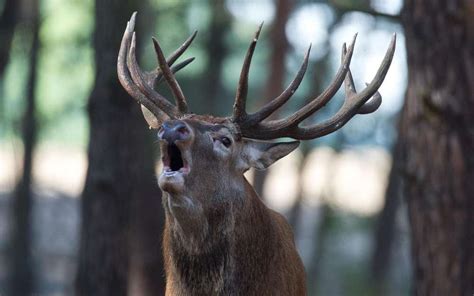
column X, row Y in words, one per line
column 174, row 130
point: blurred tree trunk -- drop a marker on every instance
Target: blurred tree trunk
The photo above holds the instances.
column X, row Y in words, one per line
column 21, row 282
column 384, row 234
column 321, row 233
column 294, row 212
column 437, row 132
column 121, row 206
column 278, row 48
column 321, row 69
column 8, row 20
column 146, row 270
column 322, row 230
column 216, row 51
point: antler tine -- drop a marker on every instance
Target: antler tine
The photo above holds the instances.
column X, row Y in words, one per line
column 241, row 96
column 279, row 101
column 123, row 73
column 372, row 105
column 350, row 90
column 155, row 77
column 170, row 79
column 158, row 74
column 349, row 86
column 180, row 50
column 138, row 78
column 373, row 86
column 174, row 69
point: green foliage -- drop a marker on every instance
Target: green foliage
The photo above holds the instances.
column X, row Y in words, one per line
column 66, row 68
column 65, row 72
column 14, row 84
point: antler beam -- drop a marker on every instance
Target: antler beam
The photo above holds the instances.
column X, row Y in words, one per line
column 355, row 103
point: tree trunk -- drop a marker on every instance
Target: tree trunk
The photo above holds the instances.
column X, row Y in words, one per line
column 274, row 86
column 294, row 213
column 438, row 143
column 216, row 51
column 21, row 282
column 321, row 233
column 385, row 230
column 8, row 20
column 121, row 208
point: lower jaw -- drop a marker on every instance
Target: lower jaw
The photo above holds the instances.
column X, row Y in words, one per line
column 171, row 181
column 183, row 170
column 171, row 173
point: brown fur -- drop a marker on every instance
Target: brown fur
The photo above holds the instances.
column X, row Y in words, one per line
column 219, row 238
column 260, row 253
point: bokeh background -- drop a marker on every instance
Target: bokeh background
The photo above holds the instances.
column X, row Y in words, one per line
column 351, row 227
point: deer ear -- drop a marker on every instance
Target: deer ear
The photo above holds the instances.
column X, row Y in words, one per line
column 154, row 122
column 261, row 155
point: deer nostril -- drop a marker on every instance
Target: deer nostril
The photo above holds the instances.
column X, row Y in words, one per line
column 182, row 129
column 172, row 131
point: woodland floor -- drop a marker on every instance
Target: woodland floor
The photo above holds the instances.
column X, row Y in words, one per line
column 345, row 255
column 55, row 241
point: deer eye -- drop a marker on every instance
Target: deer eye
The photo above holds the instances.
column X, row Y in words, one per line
column 225, row 141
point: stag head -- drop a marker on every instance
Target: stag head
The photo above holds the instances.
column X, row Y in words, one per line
column 204, row 156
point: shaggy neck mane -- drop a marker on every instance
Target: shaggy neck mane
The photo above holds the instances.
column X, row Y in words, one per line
column 203, row 273
column 218, row 267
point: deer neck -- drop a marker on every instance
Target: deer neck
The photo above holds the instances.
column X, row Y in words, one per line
column 204, row 256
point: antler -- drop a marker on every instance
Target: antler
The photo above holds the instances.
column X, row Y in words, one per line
column 242, row 88
column 141, row 85
column 253, row 126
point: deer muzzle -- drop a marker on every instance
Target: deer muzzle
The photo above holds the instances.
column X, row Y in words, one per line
column 174, row 130
column 175, row 137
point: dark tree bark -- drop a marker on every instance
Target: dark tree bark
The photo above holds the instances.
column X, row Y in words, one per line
column 275, row 83
column 294, row 213
column 21, row 282
column 216, row 51
column 321, row 233
column 146, row 270
column 279, row 48
column 385, row 229
column 8, row 20
column 121, row 205
column 437, row 132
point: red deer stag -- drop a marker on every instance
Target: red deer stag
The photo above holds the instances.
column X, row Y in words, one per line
column 219, row 238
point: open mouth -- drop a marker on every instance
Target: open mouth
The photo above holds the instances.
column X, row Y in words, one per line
column 173, row 160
